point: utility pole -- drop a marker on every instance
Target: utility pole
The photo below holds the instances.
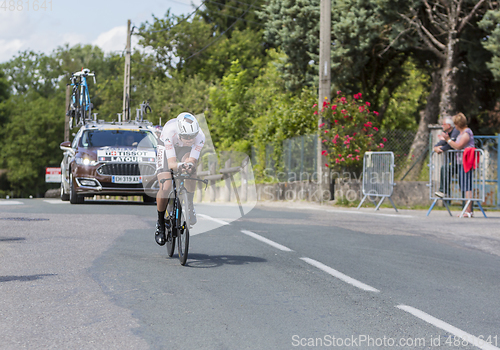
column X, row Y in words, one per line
column 66, row 118
column 324, row 87
column 126, row 80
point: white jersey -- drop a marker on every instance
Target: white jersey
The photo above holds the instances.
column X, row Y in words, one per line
column 171, row 140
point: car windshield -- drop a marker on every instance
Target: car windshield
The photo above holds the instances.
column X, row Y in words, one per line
column 117, row 138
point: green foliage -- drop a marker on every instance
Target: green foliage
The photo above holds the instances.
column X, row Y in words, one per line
column 195, row 48
column 223, row 15
column 406, row 101
column 30, row 141
column 230, row 110
column 293, row 26
column 491, row 24
column 176, row 94
column 348, row 131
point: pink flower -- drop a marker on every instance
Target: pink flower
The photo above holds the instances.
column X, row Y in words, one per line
column 337, row 160
column 376, row 113
column 323, row 141
column 384, row 139
column 326, row 165
column 334, row 107
column 354, row 133
column 339, row 92
column 381, row 145
column 357, row 150
column 340, row 155
column 356, row 96
column 357, row 157
column 347, row 146
column 361, row 108
column 343, row 100
column 315, row 105
column 368, row 103
column 325, row 103
column 321, row 125
column 324, row 153
column 326, row 131
column 315, row 112
column 375, row 128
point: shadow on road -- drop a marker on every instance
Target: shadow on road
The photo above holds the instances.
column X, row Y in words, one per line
column 114, row 202
column 206, row 261
column 12, row 239
column 24, row 278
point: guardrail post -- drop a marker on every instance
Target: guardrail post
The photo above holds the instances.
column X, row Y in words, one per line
column 244, row 181
column 212, row 182
column 227, row 180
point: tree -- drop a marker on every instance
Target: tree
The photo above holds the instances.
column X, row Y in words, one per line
column 194, row 48
column 222, row 15
column 293, row 26
column 435, row 31
column 30, row 141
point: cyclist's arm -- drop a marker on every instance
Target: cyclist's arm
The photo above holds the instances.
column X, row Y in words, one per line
column 172, row 163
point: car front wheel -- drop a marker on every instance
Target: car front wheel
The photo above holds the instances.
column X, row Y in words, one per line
column 73, row 197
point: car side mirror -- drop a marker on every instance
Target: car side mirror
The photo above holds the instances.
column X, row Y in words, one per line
column 66, row 146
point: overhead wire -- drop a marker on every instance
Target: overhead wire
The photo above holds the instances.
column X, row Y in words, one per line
column 220, row 35
column 181, row 21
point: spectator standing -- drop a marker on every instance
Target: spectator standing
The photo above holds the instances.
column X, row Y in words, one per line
column 464, row 140
column 447, row 170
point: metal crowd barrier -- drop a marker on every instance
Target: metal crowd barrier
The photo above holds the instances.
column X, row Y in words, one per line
column 449, row 182
column 378, row 177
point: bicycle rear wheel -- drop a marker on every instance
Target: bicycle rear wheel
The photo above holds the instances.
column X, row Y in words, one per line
column 183, row 231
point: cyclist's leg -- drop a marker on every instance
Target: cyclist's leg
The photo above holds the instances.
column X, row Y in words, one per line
column 162, row 195
column 191, row 187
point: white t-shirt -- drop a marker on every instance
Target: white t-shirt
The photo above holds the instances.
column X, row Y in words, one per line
column 171, row 140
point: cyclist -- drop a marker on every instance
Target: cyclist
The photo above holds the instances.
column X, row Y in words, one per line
column 181, row 139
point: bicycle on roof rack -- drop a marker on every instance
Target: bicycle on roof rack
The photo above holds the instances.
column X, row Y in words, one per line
column 80, row 107
column 177, row 219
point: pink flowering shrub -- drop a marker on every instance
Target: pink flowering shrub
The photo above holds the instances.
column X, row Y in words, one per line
column 348, row 130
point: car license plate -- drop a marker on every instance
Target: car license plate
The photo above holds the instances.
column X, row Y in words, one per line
column 126, row 179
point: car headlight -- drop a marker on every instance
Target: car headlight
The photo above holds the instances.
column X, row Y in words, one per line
column 85, row 161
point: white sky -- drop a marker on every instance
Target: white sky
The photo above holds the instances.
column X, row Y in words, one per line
column 102, row 23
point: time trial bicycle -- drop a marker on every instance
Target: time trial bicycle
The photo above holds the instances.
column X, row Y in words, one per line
column 80, row 108
column 177, row 215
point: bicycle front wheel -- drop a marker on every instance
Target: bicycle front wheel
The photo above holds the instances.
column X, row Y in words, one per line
column 183, row 229
column 170, row 230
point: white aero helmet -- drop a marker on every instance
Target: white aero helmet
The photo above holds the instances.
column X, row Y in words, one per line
column 187, row 125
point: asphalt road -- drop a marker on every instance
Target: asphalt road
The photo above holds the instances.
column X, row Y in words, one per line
column 284, row 276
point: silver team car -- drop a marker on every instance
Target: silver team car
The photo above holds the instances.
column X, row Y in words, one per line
column 110, row 159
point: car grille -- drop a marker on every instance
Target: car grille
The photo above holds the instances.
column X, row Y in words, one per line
column 131, row 169
column 108, row 185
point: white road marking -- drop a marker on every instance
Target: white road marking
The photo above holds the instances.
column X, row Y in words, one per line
column 352, row 212
column 472, row 340
column 213, row 219
column 9, row 202
column 340, row 275
column 364, row 212
column 268, row 241
column 55, row 201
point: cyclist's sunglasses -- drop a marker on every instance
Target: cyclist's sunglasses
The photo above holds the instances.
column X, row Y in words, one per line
column 188, row 137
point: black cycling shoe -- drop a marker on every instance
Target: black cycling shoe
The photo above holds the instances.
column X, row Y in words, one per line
column 160, row 234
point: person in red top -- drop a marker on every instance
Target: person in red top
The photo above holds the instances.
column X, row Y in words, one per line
column 464, row 140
